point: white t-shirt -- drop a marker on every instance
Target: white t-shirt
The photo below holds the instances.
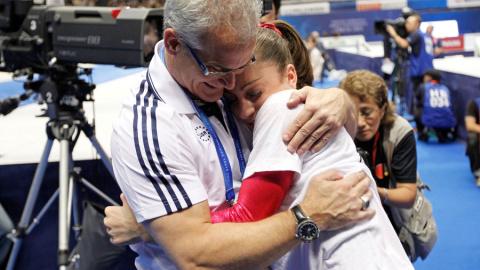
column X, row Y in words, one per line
column 371, row 244
column 164, row 158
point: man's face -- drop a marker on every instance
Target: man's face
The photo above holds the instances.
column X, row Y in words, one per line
column 427, row 78
column 219, row 55
column 429, row 30
column 412, row 24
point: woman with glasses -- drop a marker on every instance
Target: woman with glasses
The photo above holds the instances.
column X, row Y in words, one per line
column 386, row 140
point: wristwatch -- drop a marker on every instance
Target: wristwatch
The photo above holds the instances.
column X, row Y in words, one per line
column 307, row 229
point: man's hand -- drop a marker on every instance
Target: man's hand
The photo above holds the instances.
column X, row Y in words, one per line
column 122, row 225
column 335, row 204
column 324, row 113
column 390, row 30
column 400, row 41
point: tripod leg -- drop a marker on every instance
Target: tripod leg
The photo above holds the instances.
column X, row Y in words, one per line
column 99, row 192
column 74, row 180
column 103, row 155
column 63, row 210
column 21, row 230
column 69, row 200
column 36, row 220
column 90, row 133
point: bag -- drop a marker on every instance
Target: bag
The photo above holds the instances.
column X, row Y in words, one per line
column 94, row 250
column 418, row 229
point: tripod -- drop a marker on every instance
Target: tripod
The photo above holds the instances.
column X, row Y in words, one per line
column 62, row 129
column 399, row 86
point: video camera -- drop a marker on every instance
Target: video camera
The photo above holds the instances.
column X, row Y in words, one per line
column 98, row 35
column 398, row 24
column 52, row 40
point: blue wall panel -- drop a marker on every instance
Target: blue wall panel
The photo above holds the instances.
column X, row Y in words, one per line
column 427, row 4
column 347, row 5
column 350, row 22
column 345, row 22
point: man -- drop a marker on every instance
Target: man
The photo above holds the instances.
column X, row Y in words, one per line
column 472, row 124
column 437, row 43
column 388, row 42
column 395, row 57
column 433, row 108
column 421, row 55
column 169, row 154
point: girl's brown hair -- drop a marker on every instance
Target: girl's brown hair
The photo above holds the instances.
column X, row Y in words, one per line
column 283, row 50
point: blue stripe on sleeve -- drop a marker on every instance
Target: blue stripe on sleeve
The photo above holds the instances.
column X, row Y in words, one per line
column 139, row 153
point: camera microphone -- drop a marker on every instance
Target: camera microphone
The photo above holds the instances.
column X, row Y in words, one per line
column 9, row 104
column 26, row 95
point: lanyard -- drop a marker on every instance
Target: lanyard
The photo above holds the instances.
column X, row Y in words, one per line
column 222, row 155
column 374, row 152
column 379, row 169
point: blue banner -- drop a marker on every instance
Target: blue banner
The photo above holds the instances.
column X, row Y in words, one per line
column 344, row 22
column 344, row 5
column 350, row 22
column 427, row 4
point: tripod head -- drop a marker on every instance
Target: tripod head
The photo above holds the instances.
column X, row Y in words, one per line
column 62, row 89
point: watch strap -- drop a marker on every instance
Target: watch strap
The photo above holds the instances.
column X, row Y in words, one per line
column 298, row 213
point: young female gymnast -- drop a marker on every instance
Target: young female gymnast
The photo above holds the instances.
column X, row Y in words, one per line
column 258, row 100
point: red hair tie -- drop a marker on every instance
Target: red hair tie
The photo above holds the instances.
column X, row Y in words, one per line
column 271, row 26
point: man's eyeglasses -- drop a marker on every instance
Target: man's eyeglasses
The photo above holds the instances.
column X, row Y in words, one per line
column 216, row 72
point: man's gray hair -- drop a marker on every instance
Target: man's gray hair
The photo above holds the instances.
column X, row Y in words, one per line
column 193, row 20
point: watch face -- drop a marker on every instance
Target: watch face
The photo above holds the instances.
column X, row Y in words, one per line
column 308, row 231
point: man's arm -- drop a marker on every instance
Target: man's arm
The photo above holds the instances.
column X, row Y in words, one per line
column 324, row 113
column 261, row 195
column 398, row 39
column 192, row 241
column 470, row 117
column 471, row 124
column 331, row 204
column 437, row 51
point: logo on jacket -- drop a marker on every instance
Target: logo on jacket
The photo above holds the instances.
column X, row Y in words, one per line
column 202, row 133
